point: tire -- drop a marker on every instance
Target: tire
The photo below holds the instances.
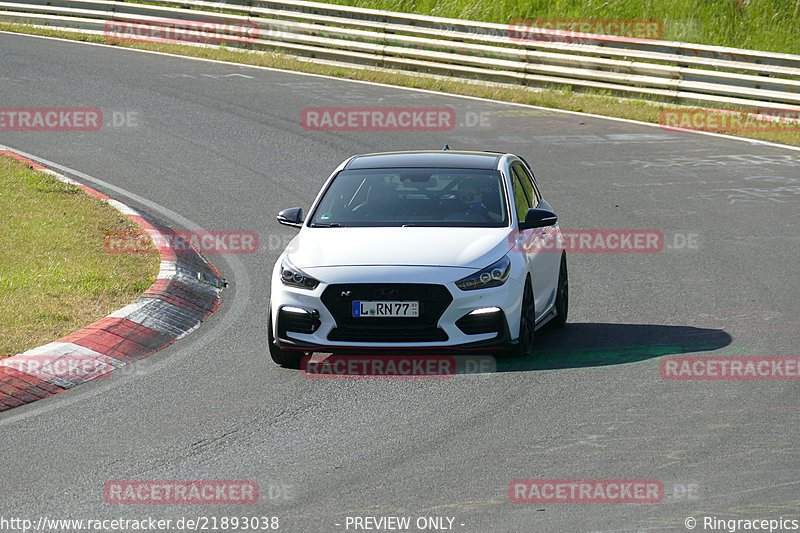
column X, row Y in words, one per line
column 562, row 295
column 527, row 324
column 285, row 358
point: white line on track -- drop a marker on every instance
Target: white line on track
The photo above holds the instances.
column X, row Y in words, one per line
column 425, row 91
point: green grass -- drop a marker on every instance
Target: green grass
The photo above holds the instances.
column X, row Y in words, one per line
column 55, row 276
column 770, row 25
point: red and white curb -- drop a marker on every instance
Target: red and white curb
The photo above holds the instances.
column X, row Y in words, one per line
column 185, row 292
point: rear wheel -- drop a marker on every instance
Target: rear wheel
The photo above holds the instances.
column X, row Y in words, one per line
column 527, row 324
column 562, row 295
column 285, row 358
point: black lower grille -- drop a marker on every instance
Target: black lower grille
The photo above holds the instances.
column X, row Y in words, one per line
column 298, row 322
column 433, row 300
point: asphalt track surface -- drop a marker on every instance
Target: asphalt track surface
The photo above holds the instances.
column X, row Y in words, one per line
column 217, row 151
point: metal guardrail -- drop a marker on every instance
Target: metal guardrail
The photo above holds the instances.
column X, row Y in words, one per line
column 676, row 71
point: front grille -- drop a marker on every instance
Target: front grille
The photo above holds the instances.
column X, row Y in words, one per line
column 433, row 300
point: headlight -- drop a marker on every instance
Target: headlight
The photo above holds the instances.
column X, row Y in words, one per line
column 492, row 276
column 294, row 277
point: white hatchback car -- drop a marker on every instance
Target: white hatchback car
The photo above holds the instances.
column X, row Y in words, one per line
column 419, row 251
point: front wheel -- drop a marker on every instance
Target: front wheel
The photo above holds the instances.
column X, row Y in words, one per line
column 562, row 295
column 285, row 358
column 527, row 324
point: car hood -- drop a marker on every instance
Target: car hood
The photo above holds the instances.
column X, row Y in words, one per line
column 453, row 247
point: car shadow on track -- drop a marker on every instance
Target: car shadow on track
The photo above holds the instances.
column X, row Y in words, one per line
column 592, row 344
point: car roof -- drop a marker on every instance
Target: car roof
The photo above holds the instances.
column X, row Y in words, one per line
column 426, row 159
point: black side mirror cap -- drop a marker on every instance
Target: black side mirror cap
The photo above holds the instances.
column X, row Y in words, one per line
column 291, row 217
column 538, row 218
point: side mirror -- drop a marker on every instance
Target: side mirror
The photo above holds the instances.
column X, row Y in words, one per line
column 538, row 218
column 291, row 217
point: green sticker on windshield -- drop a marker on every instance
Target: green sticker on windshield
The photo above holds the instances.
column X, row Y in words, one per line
column 326, row 216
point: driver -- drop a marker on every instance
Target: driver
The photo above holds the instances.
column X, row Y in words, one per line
column 471, row 197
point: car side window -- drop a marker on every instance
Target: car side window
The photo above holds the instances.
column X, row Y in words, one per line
column 521, row 203
column 529, row 173
column 527, row 183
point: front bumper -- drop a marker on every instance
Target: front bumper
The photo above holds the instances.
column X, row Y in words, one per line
column 333, row 331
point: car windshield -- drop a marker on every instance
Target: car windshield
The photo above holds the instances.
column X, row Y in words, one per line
column 413, row 197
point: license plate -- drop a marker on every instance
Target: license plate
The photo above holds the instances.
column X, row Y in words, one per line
column 363, row 308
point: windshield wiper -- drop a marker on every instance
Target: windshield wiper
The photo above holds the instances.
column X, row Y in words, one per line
column 331, row 225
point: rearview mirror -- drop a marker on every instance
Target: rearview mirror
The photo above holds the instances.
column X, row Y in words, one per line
column 538, row 218
column 291, row 217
